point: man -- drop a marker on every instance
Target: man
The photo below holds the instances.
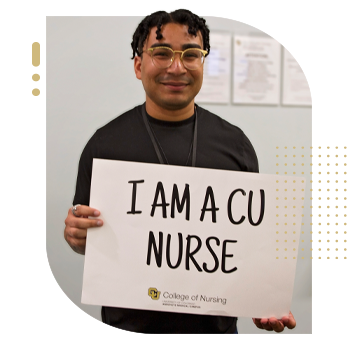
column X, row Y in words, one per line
column 168, row 52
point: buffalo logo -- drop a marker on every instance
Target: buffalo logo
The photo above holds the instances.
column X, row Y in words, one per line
column 154, row 293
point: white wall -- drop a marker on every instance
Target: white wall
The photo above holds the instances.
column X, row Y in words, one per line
column 90, row 80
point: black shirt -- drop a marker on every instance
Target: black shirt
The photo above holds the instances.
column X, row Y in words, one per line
column 220, row 145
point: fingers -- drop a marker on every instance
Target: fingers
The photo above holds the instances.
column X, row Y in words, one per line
column 257, row 322
column 276, row 325
column 80, row 220
column 78, row 245
column 269, row 324
column 261, row 323
column 84, row 210
column 76, row 227
column 273, row 324
column 289, row 321
column 83, row 223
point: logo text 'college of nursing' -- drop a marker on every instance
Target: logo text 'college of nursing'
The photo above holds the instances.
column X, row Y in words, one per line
column 154, row 293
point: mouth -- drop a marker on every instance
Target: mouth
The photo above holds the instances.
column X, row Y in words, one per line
column 174, row 85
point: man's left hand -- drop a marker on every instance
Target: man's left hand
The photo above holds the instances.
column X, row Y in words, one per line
column 273, row 324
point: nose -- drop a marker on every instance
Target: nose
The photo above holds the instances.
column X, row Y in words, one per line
column 177, row 67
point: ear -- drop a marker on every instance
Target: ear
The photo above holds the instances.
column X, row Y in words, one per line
column 137, row 66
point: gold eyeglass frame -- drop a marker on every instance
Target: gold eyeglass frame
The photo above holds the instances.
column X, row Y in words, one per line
column 204, row 52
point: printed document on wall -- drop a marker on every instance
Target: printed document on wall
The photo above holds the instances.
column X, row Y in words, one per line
column 296, row 91
column 216, row 72
column 256, row 71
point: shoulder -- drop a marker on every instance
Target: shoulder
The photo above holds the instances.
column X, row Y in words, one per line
column 228, row 139
column 213, row 123
column 118, row 128
column 122, row 122
column 122, row 138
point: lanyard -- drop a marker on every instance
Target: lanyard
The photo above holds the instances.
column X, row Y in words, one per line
column 152, row 136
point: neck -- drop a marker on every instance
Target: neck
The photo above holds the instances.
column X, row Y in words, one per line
column 172, row 115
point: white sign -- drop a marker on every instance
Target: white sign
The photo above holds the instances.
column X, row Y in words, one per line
column 296, row 91
column 256, row 71
column 192, row 240
column 216, row 73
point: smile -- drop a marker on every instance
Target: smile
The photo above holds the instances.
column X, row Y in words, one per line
column 175, row 86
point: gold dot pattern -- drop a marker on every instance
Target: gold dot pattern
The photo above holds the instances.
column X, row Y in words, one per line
column 331, row 180
column 289, row 159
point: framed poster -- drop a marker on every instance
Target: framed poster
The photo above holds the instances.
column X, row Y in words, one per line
column 256, row 70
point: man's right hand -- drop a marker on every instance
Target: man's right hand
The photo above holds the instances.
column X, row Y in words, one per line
column 76, row 226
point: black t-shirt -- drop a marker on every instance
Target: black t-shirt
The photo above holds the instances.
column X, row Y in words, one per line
column 220, row 145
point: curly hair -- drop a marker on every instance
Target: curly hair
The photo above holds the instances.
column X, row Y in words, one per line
column 159, row 18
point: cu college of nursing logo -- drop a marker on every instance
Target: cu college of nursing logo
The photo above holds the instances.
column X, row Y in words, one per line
column 154, row 293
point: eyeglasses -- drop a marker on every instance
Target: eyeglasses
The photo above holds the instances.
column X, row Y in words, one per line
column 163, row 57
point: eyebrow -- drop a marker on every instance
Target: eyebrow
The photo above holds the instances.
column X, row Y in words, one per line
column 184, row 47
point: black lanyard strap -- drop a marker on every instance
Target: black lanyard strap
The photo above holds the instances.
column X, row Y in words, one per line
column 194, row 153
column 154, row 141
column 150, row 133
